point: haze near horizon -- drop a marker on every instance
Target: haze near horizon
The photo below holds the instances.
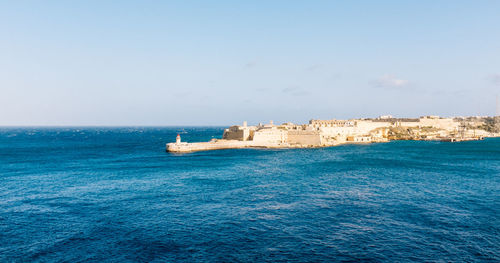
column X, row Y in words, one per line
column 221, row 62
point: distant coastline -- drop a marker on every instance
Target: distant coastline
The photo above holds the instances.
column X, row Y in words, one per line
column 326, row 133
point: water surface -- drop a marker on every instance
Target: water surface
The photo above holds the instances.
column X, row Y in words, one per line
column 115, row 195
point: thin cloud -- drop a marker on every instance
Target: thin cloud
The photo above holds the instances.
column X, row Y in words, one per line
column 494, row 79
column 262, row 89
column 250, row 64
column 314, row 67
column 182, row 94
column 295, row 91
column 334, row 76
column 390, row 81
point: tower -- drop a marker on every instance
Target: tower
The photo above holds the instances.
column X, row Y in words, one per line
column 178, row 139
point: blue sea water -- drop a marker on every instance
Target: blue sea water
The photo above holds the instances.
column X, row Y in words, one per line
column 114, row 195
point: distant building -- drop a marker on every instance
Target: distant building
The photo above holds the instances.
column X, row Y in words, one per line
column 331, row 123
column 430, row 117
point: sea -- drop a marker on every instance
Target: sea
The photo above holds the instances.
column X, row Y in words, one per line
column 108, row 194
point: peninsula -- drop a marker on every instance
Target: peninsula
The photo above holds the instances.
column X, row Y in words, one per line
column 325, row 133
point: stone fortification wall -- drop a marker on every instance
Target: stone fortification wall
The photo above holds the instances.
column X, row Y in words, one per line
column 270, row 135
column 304, row 137
column 365, row 127
column 338, row 131
column 408, row 124
column 439, row 123
column 204, row 146
column 361, row 128
column 331, row 123
column 238, row 133
column 394, row 120
column 446, row 124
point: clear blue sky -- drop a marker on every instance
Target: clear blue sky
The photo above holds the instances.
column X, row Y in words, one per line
column 222, row 62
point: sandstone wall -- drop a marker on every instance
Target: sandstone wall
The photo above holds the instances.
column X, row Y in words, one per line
column 264, row 136
column 233, row 135
column 304, row 137
column 447, row 124
column 361, row 128
column 238, row 133
column 338, row 131
column 410, row 124
column 365, row 127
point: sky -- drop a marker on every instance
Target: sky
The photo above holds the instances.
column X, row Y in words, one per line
column 110, row 63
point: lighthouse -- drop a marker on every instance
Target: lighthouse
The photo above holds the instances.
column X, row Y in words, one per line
column 178, row 139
